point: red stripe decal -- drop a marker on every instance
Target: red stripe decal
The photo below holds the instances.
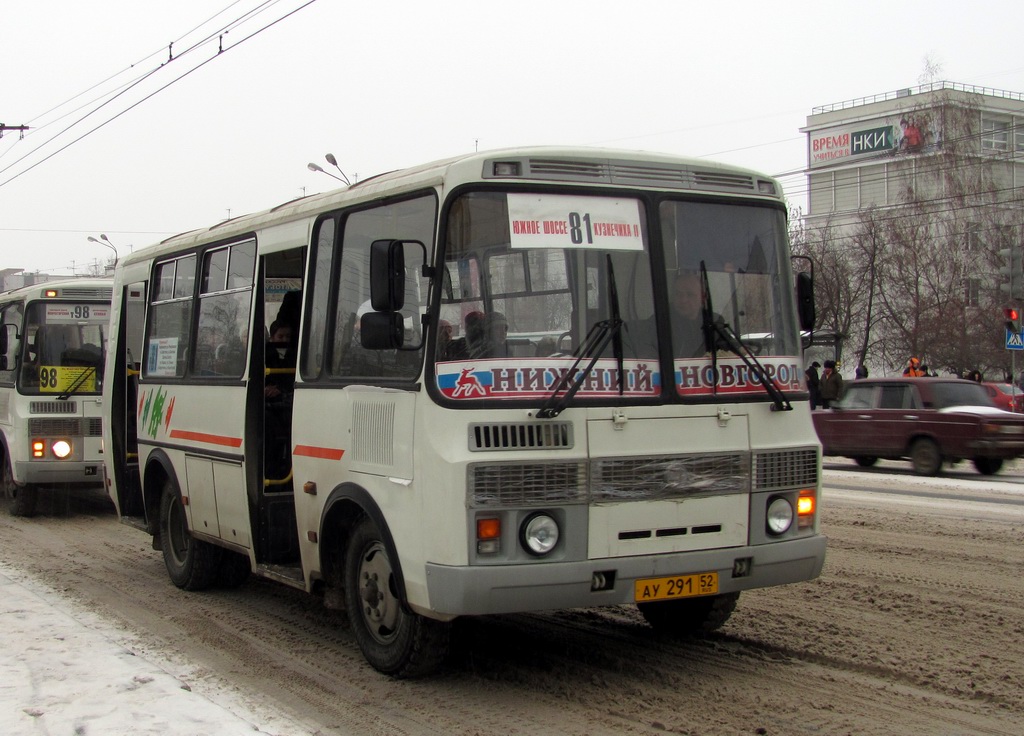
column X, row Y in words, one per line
column 210, row 439
column 323, row 453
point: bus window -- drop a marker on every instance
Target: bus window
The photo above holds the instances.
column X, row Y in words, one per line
column 409, row 220
column 224, row 303
column 167, row 341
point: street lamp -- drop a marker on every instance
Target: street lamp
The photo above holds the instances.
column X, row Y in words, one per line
column 104, row 240
column 334, row 162
column 314, row 167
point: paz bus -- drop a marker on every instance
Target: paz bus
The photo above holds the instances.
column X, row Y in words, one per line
column 53, row 337
column 480, row 405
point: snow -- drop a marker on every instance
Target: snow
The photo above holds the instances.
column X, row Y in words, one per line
column 62, row 671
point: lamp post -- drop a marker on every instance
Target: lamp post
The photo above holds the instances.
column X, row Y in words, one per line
column 104, row 240
column 315, row 167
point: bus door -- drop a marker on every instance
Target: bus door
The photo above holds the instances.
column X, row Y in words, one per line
column 273, row 373
column 124, row 452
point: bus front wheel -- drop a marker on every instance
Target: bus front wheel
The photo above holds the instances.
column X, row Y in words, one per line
column 191, row 564
column 393, row 639
column 687, row 616
column 21, row 499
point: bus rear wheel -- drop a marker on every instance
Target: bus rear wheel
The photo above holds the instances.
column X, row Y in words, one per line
column 21, row 499
column 394, row 640
column 191, row 563
column 688, row 616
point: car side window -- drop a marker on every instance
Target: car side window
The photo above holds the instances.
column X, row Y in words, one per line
column 895, row 397
column 857, row 397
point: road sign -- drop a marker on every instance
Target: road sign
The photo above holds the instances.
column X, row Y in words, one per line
column 1014, row 340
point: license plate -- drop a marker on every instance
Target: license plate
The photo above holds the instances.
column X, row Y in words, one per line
column 678, row 586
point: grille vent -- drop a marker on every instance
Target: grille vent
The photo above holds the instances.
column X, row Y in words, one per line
column 541, row 435
column 788, row 469
column 71, row 427
column 374, row 442
column 721, row 180
column 72, row 292
column 649, row 479
column 637, row 173
column 53, row 407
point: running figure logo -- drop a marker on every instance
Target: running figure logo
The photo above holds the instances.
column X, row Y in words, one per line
column 467, row 385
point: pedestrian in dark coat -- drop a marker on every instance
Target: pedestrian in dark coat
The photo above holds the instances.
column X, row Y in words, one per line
column 813, row 383
column 830, row 387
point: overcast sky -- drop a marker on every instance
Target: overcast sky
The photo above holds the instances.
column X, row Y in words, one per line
column 392, row 84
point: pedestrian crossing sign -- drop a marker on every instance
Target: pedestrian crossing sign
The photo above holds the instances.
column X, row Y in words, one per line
column 1014, row 341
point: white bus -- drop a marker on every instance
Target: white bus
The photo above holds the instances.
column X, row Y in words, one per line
column 483, row 406
column 53, row 337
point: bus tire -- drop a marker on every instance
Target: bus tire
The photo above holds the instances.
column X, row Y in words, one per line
column 393, row 639
column 191, row 563
column 688, row 616
column 21, row 499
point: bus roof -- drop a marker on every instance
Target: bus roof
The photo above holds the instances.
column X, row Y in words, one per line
column 538, row 164
column 82, row 287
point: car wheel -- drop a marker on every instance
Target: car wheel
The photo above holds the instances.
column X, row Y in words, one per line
column 689, row 616
column 394, row 639
column 988, row 465
column 866, row 461
column 926, row 457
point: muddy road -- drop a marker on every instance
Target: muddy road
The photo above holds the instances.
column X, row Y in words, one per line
column 916, row 626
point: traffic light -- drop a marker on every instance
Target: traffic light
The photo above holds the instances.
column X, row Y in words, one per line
column 1012, row 315
column 1013, row 270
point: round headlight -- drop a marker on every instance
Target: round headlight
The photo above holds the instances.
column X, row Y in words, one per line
column 539, row 534
column 61, row 448
column 780, row 515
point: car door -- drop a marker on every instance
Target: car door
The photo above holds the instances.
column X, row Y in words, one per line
column 896, row 419
column 846, row 430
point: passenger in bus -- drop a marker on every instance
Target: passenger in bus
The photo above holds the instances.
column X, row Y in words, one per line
column 278, row 385
column 686, row 315
column 495, row 341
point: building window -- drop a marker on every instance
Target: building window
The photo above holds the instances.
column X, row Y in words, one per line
column 995, row 132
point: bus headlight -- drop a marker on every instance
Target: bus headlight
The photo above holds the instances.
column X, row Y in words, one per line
column 780, row 515
column 539, row 534
column 61, row 448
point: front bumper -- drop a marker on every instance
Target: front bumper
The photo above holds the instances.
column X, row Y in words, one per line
column 53, row 473
column 486, row 589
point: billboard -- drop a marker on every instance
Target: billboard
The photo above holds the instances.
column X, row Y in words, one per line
column 904, row 134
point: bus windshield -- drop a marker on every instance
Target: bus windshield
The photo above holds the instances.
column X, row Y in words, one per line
column 63, row 348
column 527, row 277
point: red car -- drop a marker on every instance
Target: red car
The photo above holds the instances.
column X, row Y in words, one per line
column 928, row 420
column 1006, row 396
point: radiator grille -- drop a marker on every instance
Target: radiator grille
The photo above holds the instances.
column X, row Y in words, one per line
column 648, row 479
column 527, row 484
column 70, row 427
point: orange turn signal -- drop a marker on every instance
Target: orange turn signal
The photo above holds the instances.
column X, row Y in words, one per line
column 488, row 528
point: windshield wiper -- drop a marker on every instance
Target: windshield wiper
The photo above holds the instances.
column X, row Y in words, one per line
column 600, row 334
column 89, row 370
column 717, row 332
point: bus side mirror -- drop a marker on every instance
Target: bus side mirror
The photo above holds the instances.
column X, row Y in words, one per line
column 381, row 330
column 387, row 275
column 805, row 300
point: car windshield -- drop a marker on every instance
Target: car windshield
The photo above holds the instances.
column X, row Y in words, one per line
column 960, row 393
